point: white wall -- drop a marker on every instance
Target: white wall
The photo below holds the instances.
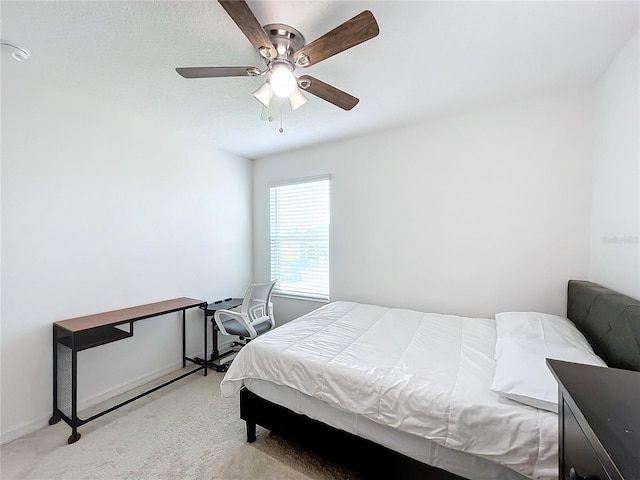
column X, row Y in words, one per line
column 615, row 224
column 105, row 207
column 471, row 214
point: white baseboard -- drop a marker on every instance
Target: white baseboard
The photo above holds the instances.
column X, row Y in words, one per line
column 30, row 427
column 126, row 386
column 24, row 429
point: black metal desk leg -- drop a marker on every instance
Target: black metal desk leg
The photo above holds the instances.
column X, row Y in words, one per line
column 204, row 355
column 184, row 341
column 75, row 436
column 55, row 418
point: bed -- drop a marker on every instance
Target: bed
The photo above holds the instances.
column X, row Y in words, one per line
column 403, row 393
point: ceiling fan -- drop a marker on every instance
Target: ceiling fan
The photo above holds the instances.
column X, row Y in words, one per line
column 283, row 50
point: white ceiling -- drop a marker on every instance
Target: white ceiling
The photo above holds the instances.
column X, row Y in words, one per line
column 430, row 59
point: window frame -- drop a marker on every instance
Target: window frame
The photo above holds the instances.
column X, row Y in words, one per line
column 287, row 293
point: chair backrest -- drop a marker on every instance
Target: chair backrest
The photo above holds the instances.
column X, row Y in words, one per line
column 257, row 302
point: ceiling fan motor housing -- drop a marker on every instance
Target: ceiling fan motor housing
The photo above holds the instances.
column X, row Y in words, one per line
column 286, row 40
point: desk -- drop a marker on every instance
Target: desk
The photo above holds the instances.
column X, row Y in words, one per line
column 77, row 334
column 209, row 310
column 599, row 422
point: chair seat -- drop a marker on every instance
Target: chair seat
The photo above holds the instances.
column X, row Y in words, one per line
column 234, row 327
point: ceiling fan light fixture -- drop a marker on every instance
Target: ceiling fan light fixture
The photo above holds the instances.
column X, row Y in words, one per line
column 297, row 99
column 283, row 82
column 264, row 94
column 283, row 50
column 273, row 111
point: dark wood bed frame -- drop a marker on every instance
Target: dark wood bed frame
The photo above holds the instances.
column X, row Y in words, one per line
column 609, row 320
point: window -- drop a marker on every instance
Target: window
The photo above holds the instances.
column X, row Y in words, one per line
column 300, row 214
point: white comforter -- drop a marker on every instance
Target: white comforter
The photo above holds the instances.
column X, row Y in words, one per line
column 426, row 374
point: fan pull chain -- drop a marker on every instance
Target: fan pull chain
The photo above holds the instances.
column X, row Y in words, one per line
column 281, row 117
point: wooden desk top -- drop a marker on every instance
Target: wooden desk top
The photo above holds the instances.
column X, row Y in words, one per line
column 125, row 315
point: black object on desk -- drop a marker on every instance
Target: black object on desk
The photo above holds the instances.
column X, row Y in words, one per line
column 599, row 422
column 217, row 359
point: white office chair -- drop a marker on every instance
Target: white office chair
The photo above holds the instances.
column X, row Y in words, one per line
column 255, row 316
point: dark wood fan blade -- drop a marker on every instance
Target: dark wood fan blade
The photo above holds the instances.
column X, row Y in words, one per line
column 208, row 72
column 240, row 13
column 327, row 92
column 353, row 32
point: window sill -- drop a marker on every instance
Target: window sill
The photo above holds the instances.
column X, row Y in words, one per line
column 300, row 297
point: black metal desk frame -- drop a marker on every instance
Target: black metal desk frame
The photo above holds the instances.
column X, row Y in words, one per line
column 209, row 310
column 82, row 333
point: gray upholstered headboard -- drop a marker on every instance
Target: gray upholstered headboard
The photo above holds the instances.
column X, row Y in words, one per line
column 609, row 320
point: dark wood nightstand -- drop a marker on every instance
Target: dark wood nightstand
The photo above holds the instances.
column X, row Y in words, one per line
column 599, row 422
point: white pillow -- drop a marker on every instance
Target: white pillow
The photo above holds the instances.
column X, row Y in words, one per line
column 541, row 326
column 524, row 341
column 523, row 375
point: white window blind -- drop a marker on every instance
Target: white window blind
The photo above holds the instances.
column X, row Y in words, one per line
column 300, row 217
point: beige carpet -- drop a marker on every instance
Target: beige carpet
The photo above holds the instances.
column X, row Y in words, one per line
column 184, row 431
